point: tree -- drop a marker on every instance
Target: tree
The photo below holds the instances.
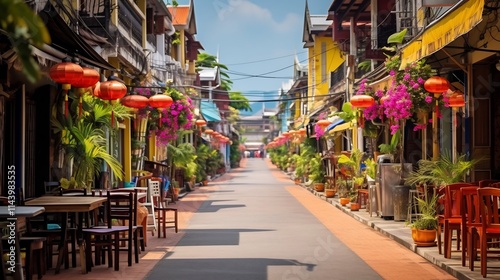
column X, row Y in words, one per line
column 240, row 101
column 211, row 61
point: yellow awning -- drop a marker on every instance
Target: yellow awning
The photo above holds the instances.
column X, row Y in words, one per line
column 453, row 25
column 342, row 127
column 383, row 83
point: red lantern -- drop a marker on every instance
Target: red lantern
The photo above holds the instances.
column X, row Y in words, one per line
column 135, row 101
column 209, row 131
column 97, row 89
column 66, row 73
column 286, row 134
column 457, row 100
column 302, row 131
column 112, row 90
column 89, row 78
column 200, row 123
column 436, row 85
column 160, row 101
column 362, row 101
column 323, row 123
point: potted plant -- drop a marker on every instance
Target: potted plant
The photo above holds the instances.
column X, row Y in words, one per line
column 344, row 188
column 424, row 228
column 330, row 190
column 316, row 173
column 441, row 172
column 371, row 171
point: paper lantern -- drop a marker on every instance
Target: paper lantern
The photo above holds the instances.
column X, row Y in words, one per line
column 160, row 101
column 457, row 100
column 436, row 85
column 208, row 131
column 135, row 101
column 302, row 131
column 88, row 78
column 112, row 90
column 66, row 73
column 200, row 123
column 286, row 134
column 323, row 123
column 362, row 101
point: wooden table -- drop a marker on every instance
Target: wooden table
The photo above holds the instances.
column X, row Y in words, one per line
column 65, row 205
column 11, row 214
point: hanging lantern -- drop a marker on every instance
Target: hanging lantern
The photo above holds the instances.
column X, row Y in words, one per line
column 135, row 101
column 302, row 131
column 323, row 124
column 286, row 134
column 112, row 90
column 456, row 100
column 89, row 78
column 362, row 101
column 200, row 123
column 209, row 131
column 66, row 73
column 436, row 85
column 160, row 101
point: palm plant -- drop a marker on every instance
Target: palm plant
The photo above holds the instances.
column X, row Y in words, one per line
column 441, row 172
column 83, row 138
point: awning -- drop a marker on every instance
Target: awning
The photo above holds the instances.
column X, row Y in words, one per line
column 210, row 112
column 334, row 124
column 67, row 41
column 342, row 127
column 456, row 22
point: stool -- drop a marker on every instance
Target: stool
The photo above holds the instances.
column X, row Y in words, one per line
column 412, row 214
column 163, row 221
column 363, row 198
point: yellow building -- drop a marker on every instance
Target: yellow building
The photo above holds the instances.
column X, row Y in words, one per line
column 324, row 56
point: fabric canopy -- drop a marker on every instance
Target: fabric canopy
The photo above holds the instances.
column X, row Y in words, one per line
column 334, row 124
column 210, row 112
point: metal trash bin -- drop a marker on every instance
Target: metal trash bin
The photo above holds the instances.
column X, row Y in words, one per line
column 400, row 199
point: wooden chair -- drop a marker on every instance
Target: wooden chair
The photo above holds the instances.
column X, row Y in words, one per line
column 51, row 187
column 161, row 207
column 122, row 208
column 489, row 232
column 34, row 248
column 452, row 219
column 471, row 221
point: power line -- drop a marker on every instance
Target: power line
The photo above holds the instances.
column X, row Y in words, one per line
column 263, row 60
column 281, row 99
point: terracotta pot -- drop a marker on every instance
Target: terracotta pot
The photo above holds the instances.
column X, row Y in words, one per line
column 330, row 193
column 298, row 181
column 319, row 187
column 355, row 206
column 424, row 237
column 205, row 182
column 343, row 201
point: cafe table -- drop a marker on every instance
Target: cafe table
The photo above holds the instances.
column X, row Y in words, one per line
column 11, row 213
column 66, row 205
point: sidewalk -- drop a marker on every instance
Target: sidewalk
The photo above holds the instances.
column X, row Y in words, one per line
column 398, row 232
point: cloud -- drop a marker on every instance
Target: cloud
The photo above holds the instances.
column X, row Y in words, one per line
column 246, row 13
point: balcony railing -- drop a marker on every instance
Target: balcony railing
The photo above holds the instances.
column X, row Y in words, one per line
column 130, row 21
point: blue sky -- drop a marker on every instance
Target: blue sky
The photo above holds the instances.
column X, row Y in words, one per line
column 255, row 37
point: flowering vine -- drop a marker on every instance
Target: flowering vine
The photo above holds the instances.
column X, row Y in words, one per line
column 405, row 97
column 167, row 122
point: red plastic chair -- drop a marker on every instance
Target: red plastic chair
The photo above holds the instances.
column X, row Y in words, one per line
column 489, row 233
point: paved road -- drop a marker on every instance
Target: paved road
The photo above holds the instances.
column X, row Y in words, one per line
column 258, row 225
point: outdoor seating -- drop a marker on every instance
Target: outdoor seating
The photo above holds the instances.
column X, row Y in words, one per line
column 451, row 220
column 120, row 207
column 489, row 233
column 161, row 207
column 471, row 221
column 34, row 250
